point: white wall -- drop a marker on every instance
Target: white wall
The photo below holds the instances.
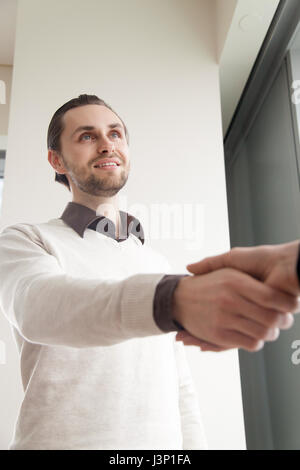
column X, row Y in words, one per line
column 155, row 63
column 224, row 15
column 5, row 90
column 5, row 76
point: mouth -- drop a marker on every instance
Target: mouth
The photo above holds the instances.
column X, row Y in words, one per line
column 107, row 166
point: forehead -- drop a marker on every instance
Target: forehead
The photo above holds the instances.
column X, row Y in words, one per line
column 90, row 115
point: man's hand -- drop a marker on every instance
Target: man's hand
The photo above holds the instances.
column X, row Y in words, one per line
column 275, row 265
column 229, row 309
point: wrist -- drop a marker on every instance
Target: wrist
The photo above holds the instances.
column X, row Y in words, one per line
column 291, row 263
column 177, row 304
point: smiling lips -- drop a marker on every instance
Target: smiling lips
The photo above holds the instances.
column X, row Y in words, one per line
column 107, row 167
column 107, row 163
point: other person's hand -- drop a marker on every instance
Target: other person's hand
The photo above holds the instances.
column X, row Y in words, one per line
column 273, row 264
column 229, row 309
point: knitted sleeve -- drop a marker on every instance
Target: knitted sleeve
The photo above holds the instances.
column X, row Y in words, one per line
column 48, row 306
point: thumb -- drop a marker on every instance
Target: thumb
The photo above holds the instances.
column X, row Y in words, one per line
column 208, row 264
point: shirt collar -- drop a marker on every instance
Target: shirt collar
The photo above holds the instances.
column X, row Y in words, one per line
column 80, row 217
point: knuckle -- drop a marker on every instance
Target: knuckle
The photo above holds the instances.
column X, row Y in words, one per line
column 294, row 305
column 221, row 323
column 274, row 320
column 267, row 296
column 228, row 278
column 224, row 300
column 264, row 333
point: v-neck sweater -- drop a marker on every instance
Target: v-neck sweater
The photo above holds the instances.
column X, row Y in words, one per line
column 97, row 371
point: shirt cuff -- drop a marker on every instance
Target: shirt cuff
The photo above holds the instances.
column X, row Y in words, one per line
column 163, row 303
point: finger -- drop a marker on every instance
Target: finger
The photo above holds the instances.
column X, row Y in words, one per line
column 264, row 295
column 255, row 330
column 228, row 339
column 187, row 338
column 203, row 345
column 265, row 317
column 251, row 260
column 206, row 347
column 190, row 340
column 286, row 321
column 208, row 264
column 235, row 339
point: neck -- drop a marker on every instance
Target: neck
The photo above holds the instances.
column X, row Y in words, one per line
column 107, row 206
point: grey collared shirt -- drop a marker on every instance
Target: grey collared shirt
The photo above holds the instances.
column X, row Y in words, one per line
column 80, row 218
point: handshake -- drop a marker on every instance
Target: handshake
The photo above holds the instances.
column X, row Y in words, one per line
column 239, row 299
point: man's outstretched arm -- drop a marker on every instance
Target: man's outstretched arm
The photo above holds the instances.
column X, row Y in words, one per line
column 48, row 306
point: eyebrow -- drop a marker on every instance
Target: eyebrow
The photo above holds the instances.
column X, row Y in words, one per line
column 92, row 128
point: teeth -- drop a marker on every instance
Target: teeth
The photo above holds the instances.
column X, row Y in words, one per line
column 106, row 164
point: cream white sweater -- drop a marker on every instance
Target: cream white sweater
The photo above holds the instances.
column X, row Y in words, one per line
column 97, row 371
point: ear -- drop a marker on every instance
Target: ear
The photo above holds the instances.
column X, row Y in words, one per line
column 56, row 162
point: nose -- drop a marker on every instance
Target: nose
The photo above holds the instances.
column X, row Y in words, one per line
column 106, row 146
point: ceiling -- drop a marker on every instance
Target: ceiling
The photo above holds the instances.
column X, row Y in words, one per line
column 243, row 28
column 248, row 26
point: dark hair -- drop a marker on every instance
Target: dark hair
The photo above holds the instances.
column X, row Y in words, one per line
column 56, row 126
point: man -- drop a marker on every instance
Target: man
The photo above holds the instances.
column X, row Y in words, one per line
column 94, row 313
column 97, row 370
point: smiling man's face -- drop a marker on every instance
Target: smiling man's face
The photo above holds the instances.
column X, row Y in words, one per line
column 81, row 149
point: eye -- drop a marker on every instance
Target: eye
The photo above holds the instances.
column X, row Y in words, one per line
column 84, row 135
column 117, row 133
